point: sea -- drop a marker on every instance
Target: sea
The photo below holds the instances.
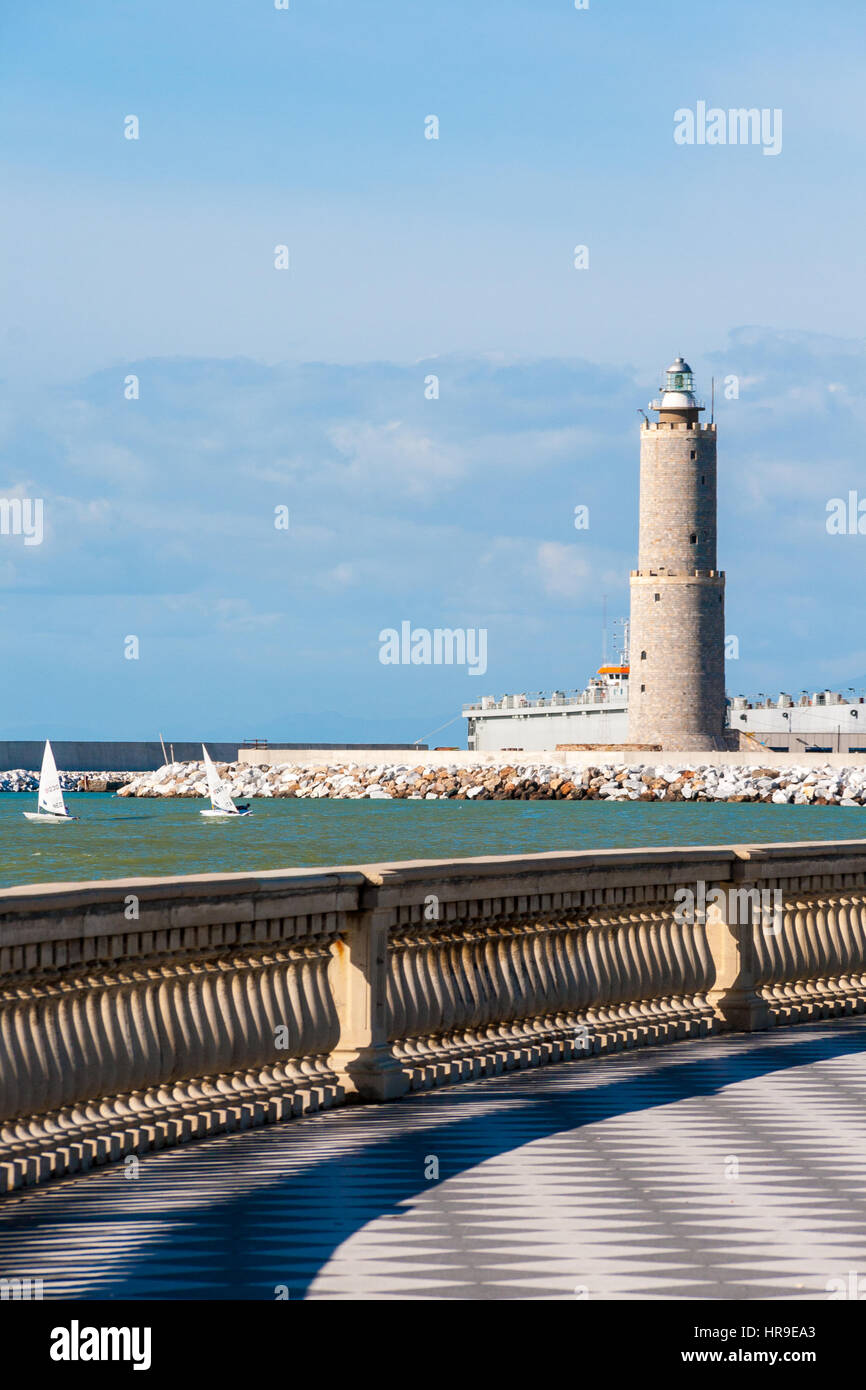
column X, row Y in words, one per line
column 120, row 837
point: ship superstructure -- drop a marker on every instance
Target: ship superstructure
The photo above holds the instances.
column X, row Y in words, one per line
column 596, row 714
column 817, row 721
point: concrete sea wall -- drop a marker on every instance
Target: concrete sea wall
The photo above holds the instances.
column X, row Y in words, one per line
column 86, row 756
column 142, row 1013
column 461, row 757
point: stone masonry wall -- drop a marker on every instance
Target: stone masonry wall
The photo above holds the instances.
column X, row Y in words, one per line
column 682, row 702
column 677, row 499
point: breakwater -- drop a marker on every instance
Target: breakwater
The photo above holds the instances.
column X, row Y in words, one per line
column 531, row 781
column 20, row 779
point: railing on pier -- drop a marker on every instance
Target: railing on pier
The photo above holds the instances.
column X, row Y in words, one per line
column 596, row 695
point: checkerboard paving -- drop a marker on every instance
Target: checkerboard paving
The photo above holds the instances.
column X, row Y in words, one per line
column 724, row 1168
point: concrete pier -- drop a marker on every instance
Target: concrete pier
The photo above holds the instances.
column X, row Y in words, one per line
column 461, row 757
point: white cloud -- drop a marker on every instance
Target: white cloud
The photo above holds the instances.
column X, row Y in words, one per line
column 564, row 571
column 342, row 576
column 397, row 456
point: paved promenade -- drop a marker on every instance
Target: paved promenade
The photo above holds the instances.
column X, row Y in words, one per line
column 728, row 1168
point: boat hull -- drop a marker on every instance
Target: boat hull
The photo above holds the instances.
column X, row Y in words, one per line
column 47, row 819
column 225, row 815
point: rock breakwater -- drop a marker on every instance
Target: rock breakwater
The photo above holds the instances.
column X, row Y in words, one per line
column 526, row 781
column 22, row 780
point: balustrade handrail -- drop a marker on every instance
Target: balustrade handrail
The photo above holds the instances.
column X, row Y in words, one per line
column 136, row 1013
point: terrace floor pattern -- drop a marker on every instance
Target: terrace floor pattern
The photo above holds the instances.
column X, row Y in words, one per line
column 731, row 1167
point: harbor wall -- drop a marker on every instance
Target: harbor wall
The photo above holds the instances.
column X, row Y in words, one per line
column 84, row 755
column 149, row 1012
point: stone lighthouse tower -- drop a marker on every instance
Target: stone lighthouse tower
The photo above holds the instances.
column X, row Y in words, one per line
column 677, row 677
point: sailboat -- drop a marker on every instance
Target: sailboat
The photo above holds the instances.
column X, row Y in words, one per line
column 221, row 803
column 50, row 806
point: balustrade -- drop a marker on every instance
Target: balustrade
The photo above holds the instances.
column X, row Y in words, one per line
column 237, row 1000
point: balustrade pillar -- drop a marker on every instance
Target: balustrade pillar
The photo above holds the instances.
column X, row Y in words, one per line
column 735, row 996
column 362, row 1059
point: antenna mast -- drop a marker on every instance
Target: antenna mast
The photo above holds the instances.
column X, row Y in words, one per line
column 623, row 625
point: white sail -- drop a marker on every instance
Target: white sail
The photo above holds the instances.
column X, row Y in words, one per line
column 220, row 797
column 50, row 793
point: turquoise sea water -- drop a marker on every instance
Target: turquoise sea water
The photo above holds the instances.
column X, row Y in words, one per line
column 118, row 837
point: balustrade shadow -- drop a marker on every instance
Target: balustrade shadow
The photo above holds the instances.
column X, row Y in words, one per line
column 281, row 1231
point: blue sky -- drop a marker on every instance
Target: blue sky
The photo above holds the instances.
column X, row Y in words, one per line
column 305, row 388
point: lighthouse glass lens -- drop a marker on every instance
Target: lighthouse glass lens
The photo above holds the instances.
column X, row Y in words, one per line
column 679, row 381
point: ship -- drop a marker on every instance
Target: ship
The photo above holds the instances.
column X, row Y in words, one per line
column 598, row 714
column 816, row 721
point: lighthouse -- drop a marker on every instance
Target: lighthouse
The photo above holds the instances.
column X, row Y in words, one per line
column 677, row 668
